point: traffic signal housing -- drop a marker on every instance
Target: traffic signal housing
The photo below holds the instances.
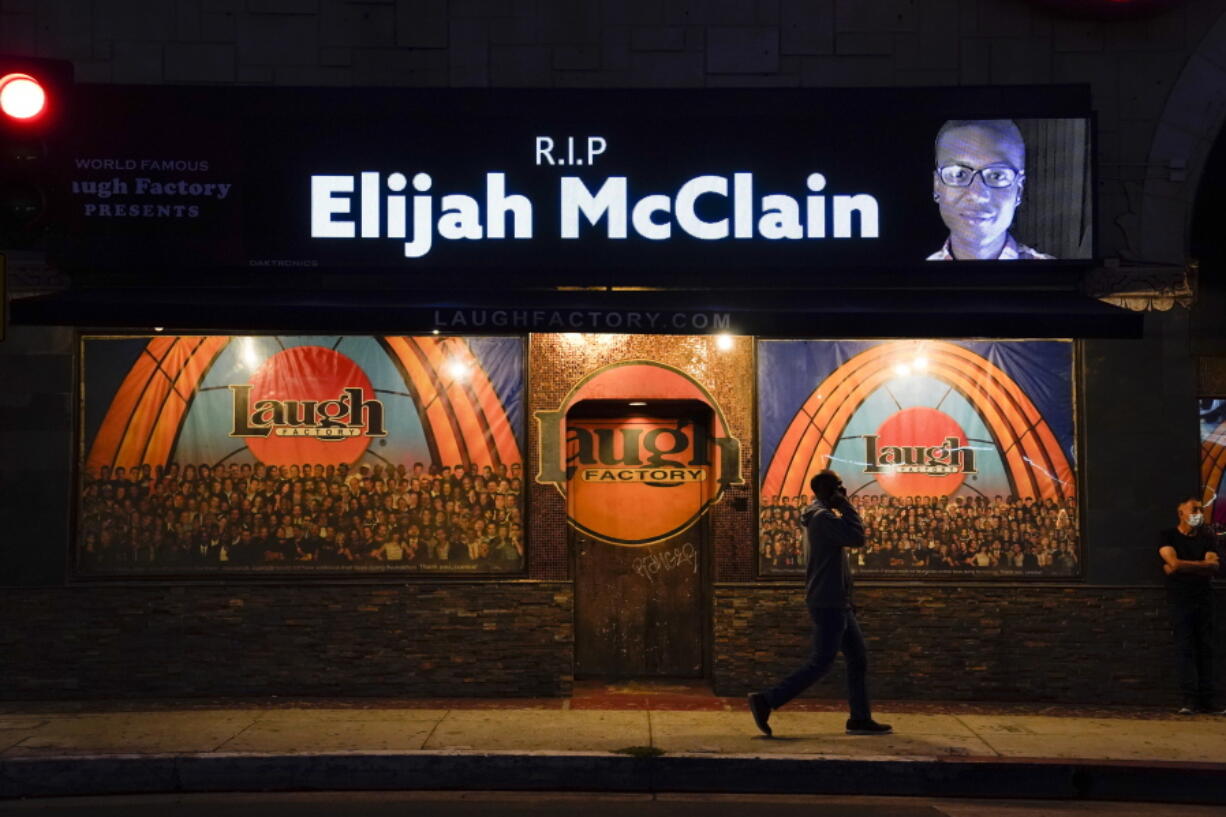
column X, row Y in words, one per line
column 35, row 99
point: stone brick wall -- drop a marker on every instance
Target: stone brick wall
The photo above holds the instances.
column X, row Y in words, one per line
column 556, row 365
column 1003, row 642
column 443, row 639
column 937, row 642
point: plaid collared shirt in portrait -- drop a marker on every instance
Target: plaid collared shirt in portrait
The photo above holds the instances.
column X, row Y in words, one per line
column 1013, row 250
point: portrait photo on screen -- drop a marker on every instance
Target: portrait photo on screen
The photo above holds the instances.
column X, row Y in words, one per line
column 1013, row 190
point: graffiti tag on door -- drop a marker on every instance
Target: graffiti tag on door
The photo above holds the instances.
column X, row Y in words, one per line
column 675, row 558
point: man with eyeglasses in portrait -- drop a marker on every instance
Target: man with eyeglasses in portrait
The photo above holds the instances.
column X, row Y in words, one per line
column 977, row 186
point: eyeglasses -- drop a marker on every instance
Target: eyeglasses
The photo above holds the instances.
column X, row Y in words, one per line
column 963, row 176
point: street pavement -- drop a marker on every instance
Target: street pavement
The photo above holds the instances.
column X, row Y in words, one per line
column 551, row 804
column 628, row 739
column 263, row 731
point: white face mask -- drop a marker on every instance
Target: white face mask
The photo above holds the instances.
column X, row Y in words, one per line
column 1194, row 519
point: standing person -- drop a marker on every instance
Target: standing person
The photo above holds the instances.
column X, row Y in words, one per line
column 831, row 525
column 1190, row 561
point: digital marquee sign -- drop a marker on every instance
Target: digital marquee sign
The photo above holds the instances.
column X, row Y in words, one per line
column 625, row 184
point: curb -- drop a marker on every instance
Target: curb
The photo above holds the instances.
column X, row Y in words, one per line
column 85, row 775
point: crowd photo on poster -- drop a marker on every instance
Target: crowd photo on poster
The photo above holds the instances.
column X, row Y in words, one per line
column 924, row 534
column 242, row 516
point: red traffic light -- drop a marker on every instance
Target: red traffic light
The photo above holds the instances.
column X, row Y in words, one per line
column 22, row 97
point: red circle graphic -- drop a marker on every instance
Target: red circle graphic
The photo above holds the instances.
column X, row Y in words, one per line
column 918, row 431
column 308, row 373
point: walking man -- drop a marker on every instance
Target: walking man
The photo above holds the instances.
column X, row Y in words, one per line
column 831, row 525
column 1190, row 561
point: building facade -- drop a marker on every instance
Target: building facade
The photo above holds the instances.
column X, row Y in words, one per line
column 1071, row 434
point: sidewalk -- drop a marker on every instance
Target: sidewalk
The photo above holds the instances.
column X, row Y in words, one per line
column 607, row 738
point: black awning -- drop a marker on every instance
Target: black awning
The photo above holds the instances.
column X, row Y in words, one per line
column 797, row 313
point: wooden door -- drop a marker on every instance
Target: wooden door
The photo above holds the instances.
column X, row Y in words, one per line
column 638, row 489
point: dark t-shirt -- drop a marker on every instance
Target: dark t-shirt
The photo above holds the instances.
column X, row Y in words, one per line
column 1182, row 586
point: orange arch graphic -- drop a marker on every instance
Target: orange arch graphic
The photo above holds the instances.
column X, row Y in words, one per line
column 1034, row 461
column 144, row 418
column 463, row 418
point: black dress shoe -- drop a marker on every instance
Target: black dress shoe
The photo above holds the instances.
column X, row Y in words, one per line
column 761, row 712
column 867, row 726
